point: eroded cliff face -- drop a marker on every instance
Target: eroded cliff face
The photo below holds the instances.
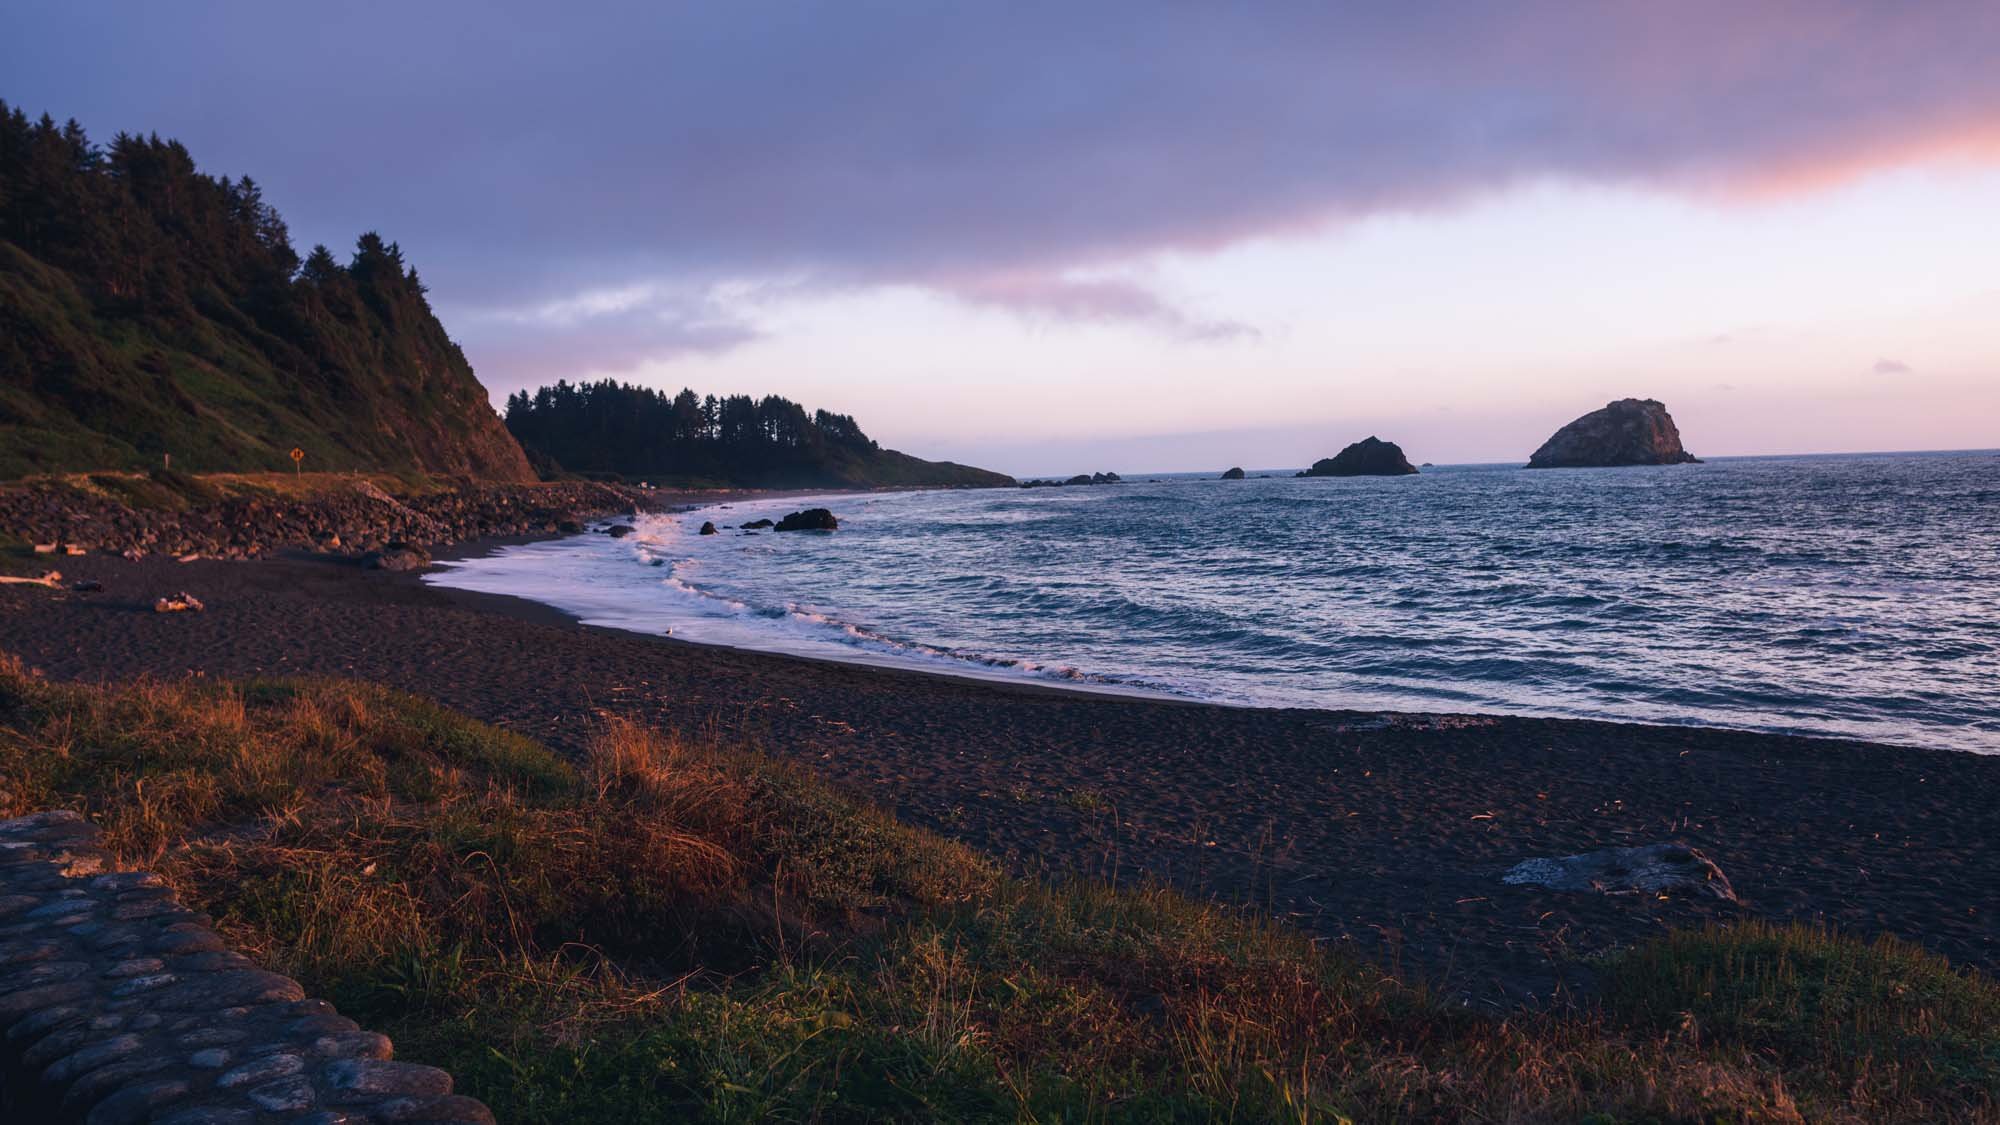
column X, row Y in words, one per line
column 1631, row 431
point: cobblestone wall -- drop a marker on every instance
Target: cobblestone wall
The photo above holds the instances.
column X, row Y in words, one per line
column 118, row 1004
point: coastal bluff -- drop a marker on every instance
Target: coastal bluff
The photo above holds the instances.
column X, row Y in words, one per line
column 1369, row 457
column 119, row 1004
column 1630, row 431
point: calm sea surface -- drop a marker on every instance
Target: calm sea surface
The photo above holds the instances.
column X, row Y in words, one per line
column 1839, row 595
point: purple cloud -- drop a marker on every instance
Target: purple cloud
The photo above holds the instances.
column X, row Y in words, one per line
column 522, row 151
column 601, row 332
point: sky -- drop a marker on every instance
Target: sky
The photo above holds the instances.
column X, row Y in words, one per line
column 1061, row 237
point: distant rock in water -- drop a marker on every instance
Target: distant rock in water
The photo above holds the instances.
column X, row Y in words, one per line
column 1631, row 431
column 1080, row 478
column 709, row 529
column 619, row 530
column 755, row 524
column 812, row 519
column 1369, row 457
column 1233, row 474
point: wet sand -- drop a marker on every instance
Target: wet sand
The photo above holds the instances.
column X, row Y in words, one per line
column 1387, row 833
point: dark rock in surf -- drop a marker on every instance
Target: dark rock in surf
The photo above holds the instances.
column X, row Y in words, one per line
column 619, row 530
column 1233, row 474
column 1369, row 457
column 812, row 519
column 708, row 529
column 1631, row 431
column 568, row 527
column 1653, row 869
column 755, row 524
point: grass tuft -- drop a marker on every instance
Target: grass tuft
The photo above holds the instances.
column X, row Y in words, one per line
column 675, row 930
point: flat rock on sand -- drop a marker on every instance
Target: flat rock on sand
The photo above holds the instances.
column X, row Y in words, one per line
column 1651, row 869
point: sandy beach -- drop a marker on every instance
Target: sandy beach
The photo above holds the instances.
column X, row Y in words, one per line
column 1385, row 832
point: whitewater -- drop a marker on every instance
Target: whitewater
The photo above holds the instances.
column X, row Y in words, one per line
column 1838, row 595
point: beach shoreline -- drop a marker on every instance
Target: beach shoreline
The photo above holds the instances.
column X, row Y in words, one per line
column 1385, row 832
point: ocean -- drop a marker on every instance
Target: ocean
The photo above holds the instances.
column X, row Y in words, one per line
column 1852, row 595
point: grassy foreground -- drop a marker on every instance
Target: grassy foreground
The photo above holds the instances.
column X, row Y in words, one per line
column 671, row 932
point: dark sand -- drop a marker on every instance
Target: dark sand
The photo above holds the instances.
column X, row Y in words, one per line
column 1389, row 835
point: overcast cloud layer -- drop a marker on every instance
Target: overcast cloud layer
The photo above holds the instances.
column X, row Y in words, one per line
column 587, row 177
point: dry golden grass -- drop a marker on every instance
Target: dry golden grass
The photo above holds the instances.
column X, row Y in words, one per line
column 672, row 930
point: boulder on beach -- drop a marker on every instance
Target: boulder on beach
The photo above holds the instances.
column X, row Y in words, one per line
column 812, row 519
column 1369, row 457
column 1631, row 431
column 397, row 556
column 1653, row 869
column 708, row 529
column 1233, row 474
column 182, row 602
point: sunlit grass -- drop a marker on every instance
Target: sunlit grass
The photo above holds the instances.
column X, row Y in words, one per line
column 671, row 930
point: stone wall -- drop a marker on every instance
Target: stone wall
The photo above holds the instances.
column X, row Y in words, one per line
column 118, row 1004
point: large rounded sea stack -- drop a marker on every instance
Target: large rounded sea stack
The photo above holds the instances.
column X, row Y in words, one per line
column 1233, row 474
column 1631, row 431
column 1369, row 457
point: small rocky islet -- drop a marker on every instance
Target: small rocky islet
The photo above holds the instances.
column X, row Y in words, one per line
column 1630, row 431
column 1369, row 457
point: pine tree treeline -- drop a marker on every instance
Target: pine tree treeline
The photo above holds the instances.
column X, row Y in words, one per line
column 149, row 309
column 612, row 429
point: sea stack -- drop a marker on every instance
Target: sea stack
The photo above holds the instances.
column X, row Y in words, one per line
column 1369, row 457
column 1233, row 474
column 1631, row 431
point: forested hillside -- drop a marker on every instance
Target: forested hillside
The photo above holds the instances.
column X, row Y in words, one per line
column 148, row 309
column 613, row 429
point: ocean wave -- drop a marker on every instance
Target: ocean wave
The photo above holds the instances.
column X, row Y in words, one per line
column 1846, row 596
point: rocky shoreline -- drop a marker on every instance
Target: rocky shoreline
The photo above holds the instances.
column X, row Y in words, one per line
column 1389, row 835
column 180, row 516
